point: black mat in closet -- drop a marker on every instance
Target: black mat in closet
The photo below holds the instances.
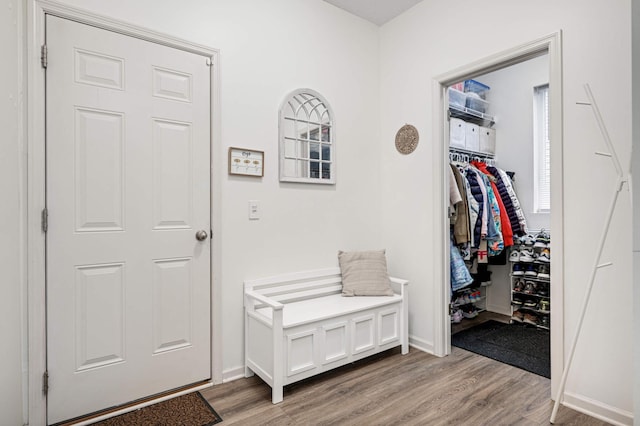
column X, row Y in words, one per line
column 523, row 346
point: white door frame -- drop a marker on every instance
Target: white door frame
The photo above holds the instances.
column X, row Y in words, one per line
column 552, row 45
column 36, row 191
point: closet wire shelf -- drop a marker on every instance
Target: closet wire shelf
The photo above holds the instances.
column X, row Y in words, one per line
column 457, row 111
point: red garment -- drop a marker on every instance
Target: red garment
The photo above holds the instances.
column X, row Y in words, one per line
column 507, row 232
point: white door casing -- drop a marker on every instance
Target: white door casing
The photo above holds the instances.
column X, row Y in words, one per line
column 552, row 46
column 128, row 187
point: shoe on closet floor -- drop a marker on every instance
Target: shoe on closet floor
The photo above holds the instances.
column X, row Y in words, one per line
column 545, row 321
column 470, row 312
column 456, row 317
column 517, row 270
column 542, row 240
column 530, row 319
column 517, row 316
column 527, row 240
column 543, row 289
column 530, row 287
column 545, row 256
column 518, row 286
column 545, row 306
column 544, row 272
column 459, row 301
column 527, row 255
column 530, row 271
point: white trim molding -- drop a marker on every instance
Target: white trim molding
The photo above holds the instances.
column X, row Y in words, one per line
column 551, row 45
column 421, row 345
column 233, row 374
column 597, row 409
column 36, row 194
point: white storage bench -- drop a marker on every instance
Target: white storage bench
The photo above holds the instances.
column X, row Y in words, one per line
column 298, row 325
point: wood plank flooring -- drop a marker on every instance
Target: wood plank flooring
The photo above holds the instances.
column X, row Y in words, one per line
column 394, row 389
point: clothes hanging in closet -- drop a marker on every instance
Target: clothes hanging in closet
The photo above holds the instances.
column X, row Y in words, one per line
column 485, row 208
column 505, row 224
column 460, row 276
column 508, row 195
column 461, row 232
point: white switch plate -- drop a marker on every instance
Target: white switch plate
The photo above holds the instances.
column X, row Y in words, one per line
column 254, row 211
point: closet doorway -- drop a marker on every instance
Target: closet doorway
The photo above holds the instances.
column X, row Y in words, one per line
column 545, row 52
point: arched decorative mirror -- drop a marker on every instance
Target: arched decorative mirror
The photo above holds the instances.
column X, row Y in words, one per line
column 307, row 138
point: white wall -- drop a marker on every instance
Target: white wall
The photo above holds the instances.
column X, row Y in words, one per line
column 438, row 36
column 511, row 102
column 267, row 49
column 11, row 242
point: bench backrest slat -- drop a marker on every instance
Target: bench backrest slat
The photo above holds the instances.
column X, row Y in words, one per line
column 298, row 286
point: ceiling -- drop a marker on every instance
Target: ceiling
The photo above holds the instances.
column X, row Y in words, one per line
column 376, row 11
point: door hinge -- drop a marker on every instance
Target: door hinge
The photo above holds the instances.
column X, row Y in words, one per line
column 44, row 60
column 45, row 220
column 45, row 382
column 209, row 62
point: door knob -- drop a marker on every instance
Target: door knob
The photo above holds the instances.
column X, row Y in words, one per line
column 201, row 235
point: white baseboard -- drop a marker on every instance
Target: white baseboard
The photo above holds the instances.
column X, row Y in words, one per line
column 422, row 345
column 597, row 409
column 232, row 374
column 499, row 309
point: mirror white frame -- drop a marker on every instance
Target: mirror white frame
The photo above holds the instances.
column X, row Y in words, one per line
column 307, row 138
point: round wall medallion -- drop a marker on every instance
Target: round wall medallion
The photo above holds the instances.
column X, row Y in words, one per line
column 407, row 139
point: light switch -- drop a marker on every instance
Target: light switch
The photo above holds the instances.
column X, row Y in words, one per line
column 254, row 211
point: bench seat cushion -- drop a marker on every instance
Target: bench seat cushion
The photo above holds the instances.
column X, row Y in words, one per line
column 320, row 308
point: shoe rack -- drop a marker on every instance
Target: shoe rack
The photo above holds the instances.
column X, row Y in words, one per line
column 531, row 281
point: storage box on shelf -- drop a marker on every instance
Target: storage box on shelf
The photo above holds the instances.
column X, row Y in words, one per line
column 470, row 125
column 476, row 104
column 457, row 98
column 472, row 101
column 457, row 133
column 473, row 86
column 472, row 137
column 458, row 86
column 487, row 140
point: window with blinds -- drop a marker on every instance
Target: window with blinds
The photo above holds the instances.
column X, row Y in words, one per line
column 541, row 150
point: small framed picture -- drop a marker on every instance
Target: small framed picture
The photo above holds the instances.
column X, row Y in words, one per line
column 246, row 162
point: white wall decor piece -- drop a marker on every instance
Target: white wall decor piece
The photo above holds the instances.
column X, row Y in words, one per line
column 307, row 138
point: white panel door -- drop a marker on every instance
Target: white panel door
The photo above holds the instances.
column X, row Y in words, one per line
column 128, row 187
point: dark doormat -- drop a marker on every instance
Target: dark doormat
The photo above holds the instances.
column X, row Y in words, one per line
column 519, row 345
column 186, row 410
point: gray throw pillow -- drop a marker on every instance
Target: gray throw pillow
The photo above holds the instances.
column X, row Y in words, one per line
column 364, row 273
